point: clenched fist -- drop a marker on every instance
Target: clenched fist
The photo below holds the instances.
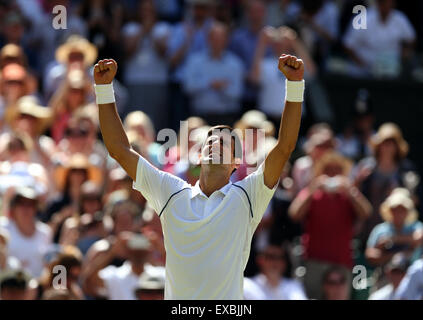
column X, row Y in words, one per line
column 105, row 71
column 291, row 67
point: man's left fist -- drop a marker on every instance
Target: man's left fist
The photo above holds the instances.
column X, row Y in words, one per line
column 291, row 67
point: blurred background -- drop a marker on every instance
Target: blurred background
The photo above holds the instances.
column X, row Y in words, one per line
column 350, row 196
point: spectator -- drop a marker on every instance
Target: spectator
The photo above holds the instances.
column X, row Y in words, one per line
column 328, row 208
column 14, row 84
column 69, row 179
column 243, row 43
column 214, row 80
column 401, row 232
column 378, row 175
column 29, row 238
column 77, row 53
column 319, row 27
column 335, row 283
column 319, row 140
column 150, row 287
column 411, row 286
column 274, row 279
column 188, row 37
column 16, row 169
column 395, row 271
column 282, row 12
column 69, row 258
column 74, row 93
column 354, row 141
column 7, row 261
column 45, row 39
column 104, row 21
column 28, row 117
column 119, row 283
column 146, row 68
column 372, row 52
column 272, row 85
column 14, row 285
column 141, row 124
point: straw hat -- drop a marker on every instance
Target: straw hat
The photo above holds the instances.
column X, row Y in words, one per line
column 255, row 119
column 321, row 137
column 390, row 131
column 332, row 157
column 28, row 105
column 399, row 197
column 77, row 161
column 11, row 50
column 79, row 44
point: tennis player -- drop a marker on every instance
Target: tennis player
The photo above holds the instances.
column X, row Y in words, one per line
column 207, row 227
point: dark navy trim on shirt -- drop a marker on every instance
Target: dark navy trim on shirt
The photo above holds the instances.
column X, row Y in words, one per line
column 172, row 195
column 248, row 198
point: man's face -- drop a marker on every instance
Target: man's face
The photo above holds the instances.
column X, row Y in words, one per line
column 218, row 150
column 256, row 12
column 399, row 214
column 218, row 39
column 385, row 6
column 200, row 12
column 24, row 211
column 13, row 294
column 272, row 261
column 336, row 287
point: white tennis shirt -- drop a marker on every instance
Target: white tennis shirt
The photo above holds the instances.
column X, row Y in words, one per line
column 207, row 239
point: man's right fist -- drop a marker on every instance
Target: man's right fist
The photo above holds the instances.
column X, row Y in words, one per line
column 105, row 71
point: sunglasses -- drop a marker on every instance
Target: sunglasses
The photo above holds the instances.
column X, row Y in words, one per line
column 335, row 282
column 74, row 133
column 271, row 256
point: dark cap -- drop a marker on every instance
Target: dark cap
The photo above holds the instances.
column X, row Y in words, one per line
column 14, row 278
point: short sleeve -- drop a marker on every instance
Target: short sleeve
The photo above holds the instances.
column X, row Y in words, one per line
column 155, row 185
column 407, row 31
column 259, row 194
column 411, row 286
column 375, row 235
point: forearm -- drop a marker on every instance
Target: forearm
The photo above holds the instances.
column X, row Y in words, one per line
column 299, row 207
column 362, row 206
column 114, row 136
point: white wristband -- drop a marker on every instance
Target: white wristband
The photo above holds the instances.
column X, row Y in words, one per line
column 104, row 93
column 294, row 91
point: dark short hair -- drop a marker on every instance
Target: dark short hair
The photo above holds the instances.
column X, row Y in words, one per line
column 235, row 138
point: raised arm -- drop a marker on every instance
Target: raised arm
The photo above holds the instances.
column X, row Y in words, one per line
column 114, row 135
column 293, row 69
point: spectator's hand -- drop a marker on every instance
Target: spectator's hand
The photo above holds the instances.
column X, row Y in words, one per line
column 344, row 186
column 317, row 183
column 105, row 71
column 219, row 84
column 291, row 67
column 266, row 35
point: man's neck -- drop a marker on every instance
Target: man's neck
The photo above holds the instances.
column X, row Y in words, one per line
column 212, row 180
column 137, row 268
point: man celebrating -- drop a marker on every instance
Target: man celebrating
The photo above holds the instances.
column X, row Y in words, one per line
column 207, row 227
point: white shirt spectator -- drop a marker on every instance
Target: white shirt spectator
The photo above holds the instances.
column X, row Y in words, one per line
column 120, row 282
column 288, row 289
column 385, row 293
column 146, row 66
column 207, row 239
column 411, row 286
column 202, row 70
column 29, row 251
column 379, row 46
column 252, row 291
column 272, row 88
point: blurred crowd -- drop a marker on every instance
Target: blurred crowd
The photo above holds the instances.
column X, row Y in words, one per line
column 71, row 225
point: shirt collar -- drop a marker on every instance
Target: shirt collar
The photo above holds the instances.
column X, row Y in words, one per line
column 196, row 190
